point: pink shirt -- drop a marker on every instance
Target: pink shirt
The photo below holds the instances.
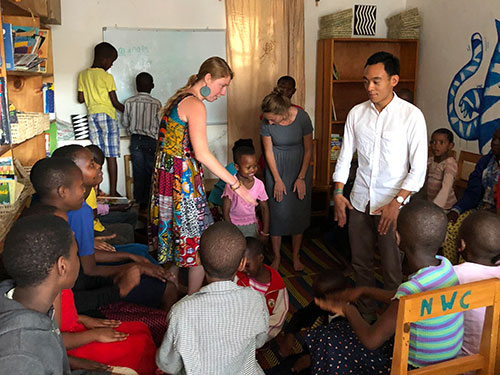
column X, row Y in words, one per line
column 473, row 319
column 440, row 179
column 241, row 212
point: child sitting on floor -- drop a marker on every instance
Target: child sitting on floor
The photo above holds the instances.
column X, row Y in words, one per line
column 479, row 245
column 218, row 329
column 351, row 345
column 326, row 282
column 116, row 223
column 40, row 254
column 235, row 209
column 265, row 280
column 153, row 289
column 441, row 170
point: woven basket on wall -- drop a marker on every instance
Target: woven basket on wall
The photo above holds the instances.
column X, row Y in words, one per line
column 405, row 25
column 336, row 25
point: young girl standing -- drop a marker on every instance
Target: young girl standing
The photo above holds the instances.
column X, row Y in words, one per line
column 238, row 211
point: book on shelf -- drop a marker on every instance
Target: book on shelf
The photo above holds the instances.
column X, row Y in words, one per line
column 334, row 114
column 8, row 45
column 335, row 72
column 24, row 46
column 7, row 166
column 4, row 114
column 10, row 190
column 335, row 146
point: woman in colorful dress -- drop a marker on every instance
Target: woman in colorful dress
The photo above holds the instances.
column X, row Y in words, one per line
column 179, row 211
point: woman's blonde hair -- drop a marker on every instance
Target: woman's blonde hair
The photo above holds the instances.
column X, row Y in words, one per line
column 216, row 66
column 276, row 103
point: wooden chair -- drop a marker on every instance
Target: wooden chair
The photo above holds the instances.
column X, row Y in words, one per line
column 466, row 164
column 430, row 304
column 129, row 181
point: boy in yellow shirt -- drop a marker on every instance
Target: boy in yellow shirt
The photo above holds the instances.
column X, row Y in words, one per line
column 97, row 89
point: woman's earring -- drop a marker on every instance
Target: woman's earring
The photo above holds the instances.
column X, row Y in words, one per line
column 205, row 91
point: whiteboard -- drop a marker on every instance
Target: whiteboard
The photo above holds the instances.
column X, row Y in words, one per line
column 170, row 56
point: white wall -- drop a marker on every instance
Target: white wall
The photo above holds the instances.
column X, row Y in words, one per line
column 444, row 40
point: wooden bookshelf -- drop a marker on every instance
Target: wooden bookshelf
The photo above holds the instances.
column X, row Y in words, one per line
column 349, row 56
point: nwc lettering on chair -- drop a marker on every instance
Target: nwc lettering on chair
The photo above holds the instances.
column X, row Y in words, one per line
column 435, row 303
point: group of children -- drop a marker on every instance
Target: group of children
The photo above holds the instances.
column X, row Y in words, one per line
column 218, row 329
column 65, row 264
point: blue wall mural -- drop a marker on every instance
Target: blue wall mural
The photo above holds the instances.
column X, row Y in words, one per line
column 479, row 107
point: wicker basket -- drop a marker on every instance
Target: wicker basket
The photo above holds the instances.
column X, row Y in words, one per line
column 336, row 25
column 28, row 125
column 405, row 25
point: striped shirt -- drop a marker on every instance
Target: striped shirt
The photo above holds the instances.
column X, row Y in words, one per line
column 215, row 331
column 437, row 339
column 141, row 115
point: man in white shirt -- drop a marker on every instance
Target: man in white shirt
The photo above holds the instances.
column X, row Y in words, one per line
column 390, row 137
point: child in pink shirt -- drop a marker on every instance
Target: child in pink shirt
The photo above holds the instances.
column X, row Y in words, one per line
column 479, row 245
column 235, row 209
column 441, row 170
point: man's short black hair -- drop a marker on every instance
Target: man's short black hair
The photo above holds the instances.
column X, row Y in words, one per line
column 329, row 281
column 68, row 152
column 422, row 226
column 51, row 173
column 105, row 50
column 446, row 132
column 391, row 62
column 33, row 246
column 222, row 247
column 254, row 247
column 286, row 80
column 144, row 82
column 481, row 233
column 98, row 154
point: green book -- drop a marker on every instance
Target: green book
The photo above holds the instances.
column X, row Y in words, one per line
column 4, row 193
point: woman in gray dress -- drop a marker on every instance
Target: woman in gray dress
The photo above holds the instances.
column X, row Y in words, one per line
column 286, row 133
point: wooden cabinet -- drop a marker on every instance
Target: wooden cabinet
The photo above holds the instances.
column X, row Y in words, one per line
column 24, row 91
column 349, row 56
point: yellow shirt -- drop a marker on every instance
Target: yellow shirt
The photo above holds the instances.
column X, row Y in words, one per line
column 96, row 83
column 92, row 202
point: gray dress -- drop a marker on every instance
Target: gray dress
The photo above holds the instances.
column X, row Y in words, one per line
column 291, row 215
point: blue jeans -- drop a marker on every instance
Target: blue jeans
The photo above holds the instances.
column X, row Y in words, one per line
column 142, row 151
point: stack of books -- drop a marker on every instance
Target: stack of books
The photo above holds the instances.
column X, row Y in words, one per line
column 405, row 25
column 336, row 25
column 23, row 47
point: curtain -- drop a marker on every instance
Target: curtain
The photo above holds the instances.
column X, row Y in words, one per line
column 264, row 41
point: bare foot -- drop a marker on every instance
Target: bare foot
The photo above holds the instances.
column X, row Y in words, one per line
column 297, row 265
column 302, row 363
column 276, row 263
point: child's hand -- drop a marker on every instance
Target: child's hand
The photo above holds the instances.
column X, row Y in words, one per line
column 91, row 323
column 348, row 295
column 153, row 270
column 100, row 244
column 331, row 304
column 106, row 335
column 87, row 364
column 139, row 259
column 128, row 279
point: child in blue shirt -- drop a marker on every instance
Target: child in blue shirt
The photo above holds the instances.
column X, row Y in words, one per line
column 153, row 290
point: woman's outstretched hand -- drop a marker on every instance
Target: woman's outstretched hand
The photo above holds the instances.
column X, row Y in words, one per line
column 243, row 192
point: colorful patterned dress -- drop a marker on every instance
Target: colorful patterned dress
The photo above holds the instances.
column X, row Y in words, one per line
column 179, row 211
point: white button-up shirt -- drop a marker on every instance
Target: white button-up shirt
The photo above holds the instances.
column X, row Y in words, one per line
column 392, row 152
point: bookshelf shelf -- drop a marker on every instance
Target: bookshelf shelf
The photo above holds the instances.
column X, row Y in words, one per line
column 345, row 58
